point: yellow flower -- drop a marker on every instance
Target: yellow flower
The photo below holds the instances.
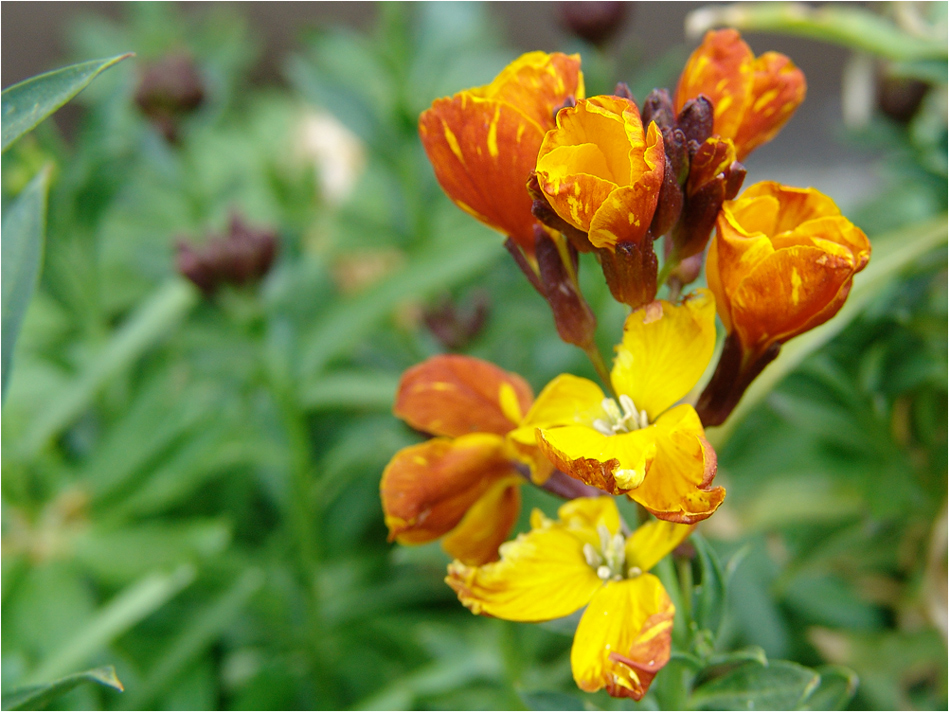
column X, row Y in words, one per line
column 483, row 142
column 752, row 96
column 463, row 485
column 601, row 172
column 623, row 638
column 637, row 444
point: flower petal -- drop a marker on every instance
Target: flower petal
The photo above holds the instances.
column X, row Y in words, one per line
column 665, row 350
column 542, row 575
column 654, row 541
column 566, row 400
column 623, row 638
column 778, row 87
column 615, row 464
column 451, row 395
column 487, row 524
column 677, row 484
column 426, row 489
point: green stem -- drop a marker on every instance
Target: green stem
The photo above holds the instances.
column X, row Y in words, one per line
column 593, row 353
column 685, row 572
column 670, row 264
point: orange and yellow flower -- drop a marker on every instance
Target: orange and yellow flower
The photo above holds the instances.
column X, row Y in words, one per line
column 639, row 444
column 464, row 484
column 782, row 262
column 624, row 636
column 601, row 172
column 483, row 142
column 752, row 96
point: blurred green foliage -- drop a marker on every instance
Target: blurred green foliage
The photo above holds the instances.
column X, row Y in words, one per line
column 190, row 486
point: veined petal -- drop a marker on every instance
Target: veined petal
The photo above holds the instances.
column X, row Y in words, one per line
column 678, row 484
column 452, row 395
column 665, row 350
column 654, row 541
column 487, row 524
column 426, row 489
column 541, row 575
column 483, row 151
column 623, row 638
column 615, row 464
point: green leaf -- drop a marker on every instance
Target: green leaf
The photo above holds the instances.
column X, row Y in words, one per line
column 345, row 324
column 125, row 610
column 891, row 254
column 26, row 104
column 148, row 324
column 710, row 595
column 850, row 26
column 351, row 390
column 24, row 229
column 835, row 690
column 550, row 701
column 28, row 698
column 781, row 685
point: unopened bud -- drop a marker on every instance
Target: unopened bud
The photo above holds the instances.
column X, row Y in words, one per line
column 168, row 90
column 455, row 325
column 573, row 317
column 622, row 90
column 668, row 204
column 630, row 271
column 658, row 107
column 596, row 22
column 695, row 119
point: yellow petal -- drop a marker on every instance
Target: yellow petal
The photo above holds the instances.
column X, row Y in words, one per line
column 615, row 464
column 541, row 575
column 589, row 514
column 565, row 401
column 665, row 350
column 654, row 541
column 487, row 524
column 678, row 484
column 623, row 638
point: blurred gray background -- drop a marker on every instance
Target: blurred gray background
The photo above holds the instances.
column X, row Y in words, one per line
column 811, row 150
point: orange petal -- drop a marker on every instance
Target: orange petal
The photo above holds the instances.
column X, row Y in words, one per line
column 792, row 207
column 722, row 69
column 778, row 87
column 487, row 524
column 714, row 157
column 452, row 395
column 624, row 638
column 426, row 489
column 677, row 486
column 483, row 152
column 542, row 575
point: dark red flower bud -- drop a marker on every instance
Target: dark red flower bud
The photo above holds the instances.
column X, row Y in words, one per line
column 573, row 317
column 596, row 22
column 454, row 325
column 630, row 271
column 168, row 90
column 658, row 107
column 696, row 119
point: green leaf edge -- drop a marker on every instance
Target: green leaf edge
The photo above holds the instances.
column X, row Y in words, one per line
column 34, row 697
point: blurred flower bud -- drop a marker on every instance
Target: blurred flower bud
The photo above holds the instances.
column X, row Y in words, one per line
column 241, row 256
column 899, row 97
column 596, row 22
column 170, row 89
column 454, row 325
column 338, row 155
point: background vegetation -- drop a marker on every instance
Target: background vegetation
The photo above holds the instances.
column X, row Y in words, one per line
column 190, row 485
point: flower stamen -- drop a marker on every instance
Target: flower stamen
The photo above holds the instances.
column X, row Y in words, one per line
column 620, row 421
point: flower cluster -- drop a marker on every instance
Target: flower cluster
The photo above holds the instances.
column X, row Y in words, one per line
column 561, row 174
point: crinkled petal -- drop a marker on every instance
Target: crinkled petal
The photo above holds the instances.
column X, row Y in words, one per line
column 487, row 524
column 615, row 464
column 793, row 206
column 426, row 489
column 542, row 575
column 654, row 541
column 452, row 395
column 623, row 638
column 778, row 88
column 678, row 484
column 665, row 350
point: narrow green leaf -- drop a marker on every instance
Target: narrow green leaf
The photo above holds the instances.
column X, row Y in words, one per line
column 891, row 254
column 204, row 626
column 123, row 612
column 36, row 697
column 835, row 690
column 851, row 26
column 710, row 595
column 781, row 685
column 24, row 230
column 149, row 323
column 26, row 104
column 351, row 390
column 345, row 324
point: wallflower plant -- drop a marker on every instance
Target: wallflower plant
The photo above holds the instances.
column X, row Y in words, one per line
column 562, row 176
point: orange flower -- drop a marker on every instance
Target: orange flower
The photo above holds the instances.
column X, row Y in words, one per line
column 782, row 262
column 752, row 96
column 600, row 172
column 462, row 485
column 483, row 142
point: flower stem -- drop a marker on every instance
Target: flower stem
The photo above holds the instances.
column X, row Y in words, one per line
column 593, row 353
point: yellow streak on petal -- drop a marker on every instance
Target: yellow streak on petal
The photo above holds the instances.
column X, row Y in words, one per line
column 796, row 286
column 453, row 143
column 493, row 134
